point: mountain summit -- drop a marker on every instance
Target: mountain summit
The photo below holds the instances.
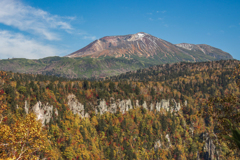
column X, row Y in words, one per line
column 145, row 45
column 140, row 44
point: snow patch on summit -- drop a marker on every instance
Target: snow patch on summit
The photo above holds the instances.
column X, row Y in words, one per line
column 140, row 35
column 137, row 36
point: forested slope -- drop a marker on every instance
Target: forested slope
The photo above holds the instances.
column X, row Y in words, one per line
column 139, row 132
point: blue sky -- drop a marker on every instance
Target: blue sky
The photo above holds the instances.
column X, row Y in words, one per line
column 40, row 28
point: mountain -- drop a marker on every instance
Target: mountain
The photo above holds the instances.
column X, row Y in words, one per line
column 147, row 46
column 113, row 55
column 206, row 49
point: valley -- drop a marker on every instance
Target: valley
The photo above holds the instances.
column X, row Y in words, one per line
column 148, row 114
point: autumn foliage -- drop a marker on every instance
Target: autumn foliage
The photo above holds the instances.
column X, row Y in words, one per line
column 136, row 134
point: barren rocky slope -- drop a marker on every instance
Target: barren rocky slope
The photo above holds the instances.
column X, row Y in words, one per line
column 145, row 45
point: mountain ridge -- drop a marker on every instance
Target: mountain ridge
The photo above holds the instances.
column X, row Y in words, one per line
column 145, row 45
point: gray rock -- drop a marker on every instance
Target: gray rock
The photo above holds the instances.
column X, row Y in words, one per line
column 123, row 105
column 151, row 107
column 157, row 145
column 210, row 151
column 145, row 105
column 168, row 139
column 26, row 107
column 75, row 106
column 165, row 104
column 44, row 112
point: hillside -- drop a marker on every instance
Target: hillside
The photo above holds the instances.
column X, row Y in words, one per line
column 169, row 71
column 113, row 55
column 73, row 67
column 121, row 118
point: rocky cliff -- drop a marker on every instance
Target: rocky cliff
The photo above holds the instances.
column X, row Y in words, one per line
column 44, row 112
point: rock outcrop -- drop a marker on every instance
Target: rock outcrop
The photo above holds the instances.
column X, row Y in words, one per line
column 125, row 105
column 75, row 106
column 44, row 112
column 157, row 145
column 210, row 150
column 168, row 140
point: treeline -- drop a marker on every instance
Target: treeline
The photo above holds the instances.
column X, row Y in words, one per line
column 170, row 71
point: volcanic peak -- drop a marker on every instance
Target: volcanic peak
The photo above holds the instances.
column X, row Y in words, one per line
column 145, row 45
column 137, row 36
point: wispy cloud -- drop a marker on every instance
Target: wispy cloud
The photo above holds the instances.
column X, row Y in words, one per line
column 90, row 37
column 155, row 16
column 36, row 21
column 209, row 34
column 150, row 19
column 19, row 46
column 166, row 25
column 232, row 26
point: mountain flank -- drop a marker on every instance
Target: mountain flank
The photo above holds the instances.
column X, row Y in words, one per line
column 145, row 45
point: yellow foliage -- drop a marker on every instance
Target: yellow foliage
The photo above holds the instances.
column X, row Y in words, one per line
column 94, row 121
column 23, row 138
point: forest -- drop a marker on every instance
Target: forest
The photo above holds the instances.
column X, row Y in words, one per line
column 138, row 133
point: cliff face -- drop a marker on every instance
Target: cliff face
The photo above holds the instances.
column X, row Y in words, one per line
column 44, row 112
column 210, row 151
column 122, row 105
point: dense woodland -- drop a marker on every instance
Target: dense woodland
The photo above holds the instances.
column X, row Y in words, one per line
column 136, row 134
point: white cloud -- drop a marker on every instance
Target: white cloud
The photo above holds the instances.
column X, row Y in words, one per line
column 90, row 37
column 19, row 46
column 36, row 21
